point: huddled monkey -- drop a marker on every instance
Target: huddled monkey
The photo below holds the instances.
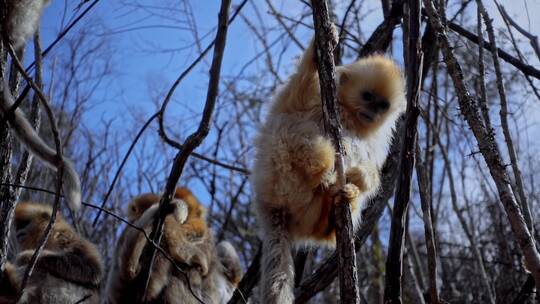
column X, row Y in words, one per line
column 69, row 269
column 213, row 271
column 293, row 174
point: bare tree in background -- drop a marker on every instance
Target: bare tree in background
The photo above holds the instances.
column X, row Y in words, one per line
column 470, row 229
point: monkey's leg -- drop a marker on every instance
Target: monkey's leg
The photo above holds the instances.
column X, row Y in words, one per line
column 134, row 243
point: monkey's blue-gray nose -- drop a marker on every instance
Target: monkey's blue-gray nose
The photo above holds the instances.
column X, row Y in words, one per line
column 376, row 103
column 382, row 105
column 379, row 106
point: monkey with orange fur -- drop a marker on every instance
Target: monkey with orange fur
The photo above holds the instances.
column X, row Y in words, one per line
column 293, row 175
column 187, row 240
column 69, row 268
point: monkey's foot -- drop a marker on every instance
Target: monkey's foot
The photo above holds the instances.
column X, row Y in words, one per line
column 351, row 192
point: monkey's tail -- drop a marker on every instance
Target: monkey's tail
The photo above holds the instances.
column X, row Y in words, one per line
column 31, row 140
column 277, row 262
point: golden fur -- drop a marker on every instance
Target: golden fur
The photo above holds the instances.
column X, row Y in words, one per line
column 293, row 175
column 69, row 268
column 187, row 240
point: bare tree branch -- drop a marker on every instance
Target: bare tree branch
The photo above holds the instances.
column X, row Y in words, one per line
column 348, row 277
column 413, row 65
column 425, row 201
column 520, row 65
column 503, row 113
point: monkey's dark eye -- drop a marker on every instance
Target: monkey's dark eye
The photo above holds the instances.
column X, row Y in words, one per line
column 384, row 105
column 368, row 96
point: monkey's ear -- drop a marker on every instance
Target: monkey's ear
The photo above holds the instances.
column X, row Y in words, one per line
column 342, row 75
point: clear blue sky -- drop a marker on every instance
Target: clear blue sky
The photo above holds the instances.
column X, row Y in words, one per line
column 141, row 70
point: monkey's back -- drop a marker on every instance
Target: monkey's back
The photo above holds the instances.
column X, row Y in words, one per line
column 44, row 288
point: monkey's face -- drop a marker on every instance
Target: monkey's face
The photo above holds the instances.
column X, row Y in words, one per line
column 196, row 209
column 140, row 204
column 370, row 90
column 30, row 222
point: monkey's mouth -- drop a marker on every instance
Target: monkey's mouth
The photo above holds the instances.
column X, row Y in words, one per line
column 365, row 116
column 20, row 235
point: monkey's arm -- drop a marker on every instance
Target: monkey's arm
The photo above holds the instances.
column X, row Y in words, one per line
column 187, row 242
column 231, row 262
column 301, row 86
column 134, row 243
column 80, row 264
column 308, row 65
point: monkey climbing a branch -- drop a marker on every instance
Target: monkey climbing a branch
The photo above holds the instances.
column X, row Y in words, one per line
column 293, row 175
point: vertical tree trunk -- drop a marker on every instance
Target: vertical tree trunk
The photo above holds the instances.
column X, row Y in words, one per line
column 413, row 66
column 348, row 277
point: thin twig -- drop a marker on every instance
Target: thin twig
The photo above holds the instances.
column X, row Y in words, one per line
column 533, row 39
column 520, row 65
column 64, row 32
column 181, row 77
column 426, row 201
column 287, row 29
column 518, row 51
